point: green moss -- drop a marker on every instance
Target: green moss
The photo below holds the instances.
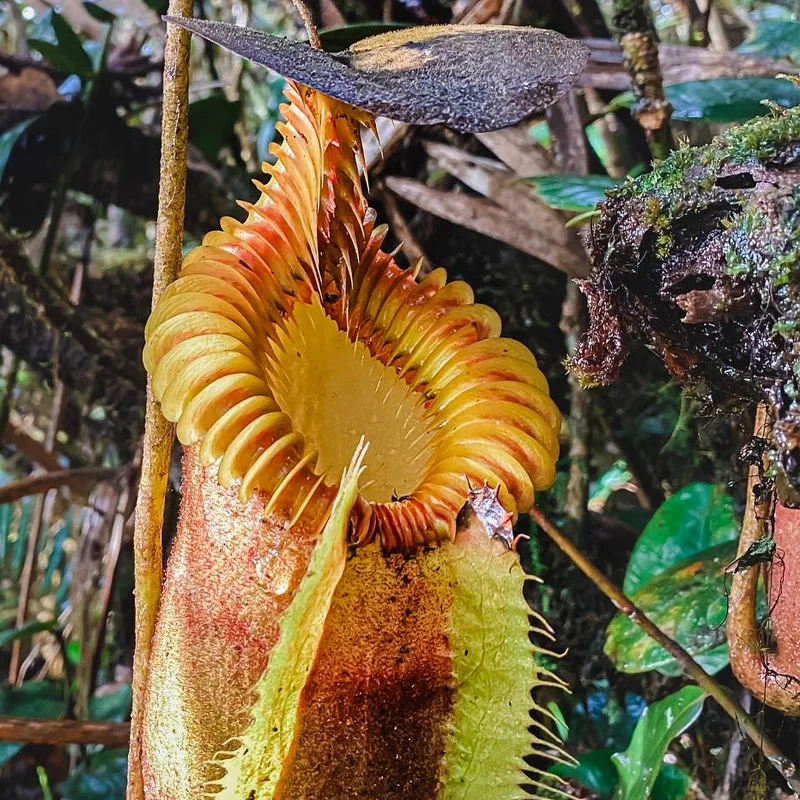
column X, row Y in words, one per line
column 683, row 181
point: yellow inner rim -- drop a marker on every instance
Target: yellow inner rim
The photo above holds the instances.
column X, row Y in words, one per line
column 335, row 392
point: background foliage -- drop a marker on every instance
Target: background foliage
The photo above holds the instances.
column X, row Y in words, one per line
column 649, row 484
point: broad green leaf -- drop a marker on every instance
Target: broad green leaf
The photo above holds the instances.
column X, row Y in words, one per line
column 571, row 192
column 26, row 630
column 67, row 54
column 602, row 718
column 695, row 518
column 672, row 783
column 102, row 778
column 41, row 699
column 779, row 38
column 98, row 12
column 7, row 141
column 340, row 37
column 112, row 707
column 54, row 56
column 723, row 100
column 211, row 122
column 689, row 603
column 596, row 772
column 639, row 765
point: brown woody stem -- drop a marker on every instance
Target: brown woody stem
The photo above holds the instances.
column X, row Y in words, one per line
column 63, row 731
column 308, row 22
column 728, row 703
column 158, row 433
column 36, row 484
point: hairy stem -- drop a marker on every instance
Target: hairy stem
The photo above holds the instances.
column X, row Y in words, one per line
column 690, row 667
column 158, row 433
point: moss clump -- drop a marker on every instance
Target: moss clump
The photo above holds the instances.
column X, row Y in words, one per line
column 700, row 259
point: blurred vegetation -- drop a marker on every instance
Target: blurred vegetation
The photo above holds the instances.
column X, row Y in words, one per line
column 659, row 482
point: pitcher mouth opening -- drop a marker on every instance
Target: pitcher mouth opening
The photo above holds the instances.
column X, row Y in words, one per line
column 290, row 336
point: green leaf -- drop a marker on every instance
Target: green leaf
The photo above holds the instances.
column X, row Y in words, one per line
column 695, row 518
column 778, row 38
column 7, row 141
column 69, row 42
column 102, row 778
column 112, row 707
column 54, row 56
column 28, row 629
column 594, row 771
column 689, row 603
column 99, row 13
column 340, row 37
column 211, row 122
column 672, row 783
column 23, row 531
column 639, row 765
column 608, row 483
column 67, row 54
column 41, row 699
column 571, row 192
column 722, row 100
column 601, row 717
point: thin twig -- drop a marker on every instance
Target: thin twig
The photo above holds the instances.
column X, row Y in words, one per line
column 748, row 725
column 125, row 501
column 572, row 152
column 158, row 433
column 308, row 22
column 44, row 503
column 36, row 484
column 63, row 731
column 723, row 791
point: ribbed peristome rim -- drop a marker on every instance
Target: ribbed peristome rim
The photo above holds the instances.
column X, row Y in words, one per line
column 217, row 339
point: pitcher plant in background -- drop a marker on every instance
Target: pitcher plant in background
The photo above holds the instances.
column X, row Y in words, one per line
column 343, row 611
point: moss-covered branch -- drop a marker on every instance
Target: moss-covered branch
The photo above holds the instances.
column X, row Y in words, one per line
column 637, row 38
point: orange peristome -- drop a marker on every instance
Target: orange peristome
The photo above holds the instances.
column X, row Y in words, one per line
column 287, row 338
column 290, row 335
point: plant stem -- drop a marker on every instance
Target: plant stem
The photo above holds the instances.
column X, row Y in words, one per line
column 158, row 433
column 728, row 703
column 63, row 731
column 637, row 38
column 36, row 484
column 308, row 22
